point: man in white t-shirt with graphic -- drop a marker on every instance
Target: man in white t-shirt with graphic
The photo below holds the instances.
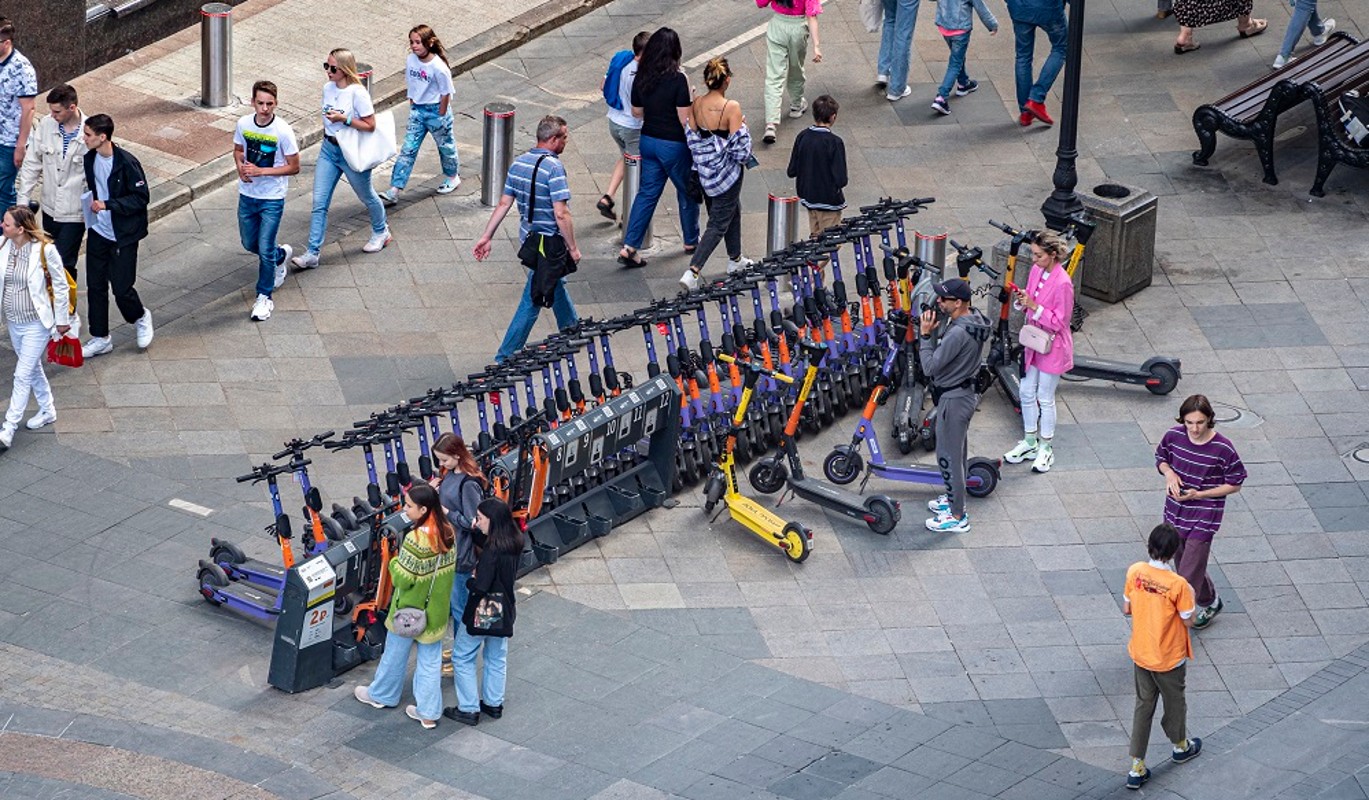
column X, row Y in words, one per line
column 266, row 153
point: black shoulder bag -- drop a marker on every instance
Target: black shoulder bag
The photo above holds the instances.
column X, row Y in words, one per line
column 543, row 253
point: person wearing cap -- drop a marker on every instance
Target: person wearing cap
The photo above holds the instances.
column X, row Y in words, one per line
column 951, row 363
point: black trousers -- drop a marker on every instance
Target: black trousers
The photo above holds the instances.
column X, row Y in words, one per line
column 111, row 267
column 67, row 236
column 724, row 225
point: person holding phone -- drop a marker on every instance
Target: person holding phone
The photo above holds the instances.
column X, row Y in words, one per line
column 1201, row 468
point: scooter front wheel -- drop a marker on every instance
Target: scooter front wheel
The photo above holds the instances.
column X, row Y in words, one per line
column 794, row 542
column 904, row 442
column 884, row 513
column 713, row 491
column 842, row 465
column 981, row 479
column 767, row 477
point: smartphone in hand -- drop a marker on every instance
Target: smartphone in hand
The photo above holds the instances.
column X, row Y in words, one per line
column 751, row 162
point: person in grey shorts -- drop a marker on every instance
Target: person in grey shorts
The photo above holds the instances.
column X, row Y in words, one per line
column 623, row 125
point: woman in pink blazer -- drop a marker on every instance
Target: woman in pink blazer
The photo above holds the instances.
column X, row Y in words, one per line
column 1047, row 301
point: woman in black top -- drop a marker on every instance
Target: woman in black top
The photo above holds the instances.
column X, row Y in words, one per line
column 488, row 619
column 662, row 98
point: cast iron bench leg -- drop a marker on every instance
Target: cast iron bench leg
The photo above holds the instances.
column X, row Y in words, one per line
column 1205, row 124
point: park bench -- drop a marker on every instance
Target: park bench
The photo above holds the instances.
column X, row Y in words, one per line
column 1334, row 145
column 1251, row 111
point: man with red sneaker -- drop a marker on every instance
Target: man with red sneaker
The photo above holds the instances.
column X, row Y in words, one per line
column 1027, row 16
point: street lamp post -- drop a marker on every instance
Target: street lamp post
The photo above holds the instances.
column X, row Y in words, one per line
column 1063, row 203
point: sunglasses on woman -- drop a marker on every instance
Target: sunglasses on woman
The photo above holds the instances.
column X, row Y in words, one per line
column 330, row 69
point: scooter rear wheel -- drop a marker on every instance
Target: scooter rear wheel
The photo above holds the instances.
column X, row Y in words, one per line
column 884, row 513
column 211, row 578
column 842, row 465
column 767, row 477
column 794, row 542
column 904, row 442
column 1167, row 377
column 986, row 475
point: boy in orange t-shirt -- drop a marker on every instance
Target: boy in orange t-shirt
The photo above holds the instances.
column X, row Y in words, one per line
column 1161, row 605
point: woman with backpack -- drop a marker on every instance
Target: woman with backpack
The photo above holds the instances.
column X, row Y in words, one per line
column 35, row 301
column 461, row 486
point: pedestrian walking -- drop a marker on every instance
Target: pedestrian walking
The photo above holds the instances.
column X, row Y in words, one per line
column 117, row 222
column 538, row 174
column 786, row 43
column 428, row 78
column 346, row 104
column 1027, row 16
column 1199, row 13
column 54, row 160
column 1160, row 604
column 624, row 127
column 951, row 363
column 1201, row 468
column 721, row 146
column 32, row 312
column 18, row 88
column 661, row 96
column 954, row 20
column 487, row 623
column 818, row 166
column 1305, row 17
column 461, row 486
column 267, row 154
column 896, row 48
column 1047, row 301
column 421, row 573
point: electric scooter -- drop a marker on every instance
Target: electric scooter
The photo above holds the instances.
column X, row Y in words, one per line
column 252, row 595
column 879, row 512
column 791, row 537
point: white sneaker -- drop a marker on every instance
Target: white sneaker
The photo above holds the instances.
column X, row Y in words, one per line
column 770, row 131
column 96, row 346
column 1020, row 453
column 940, row 505
column 796, row 110
column 390, row 196
column 894, row 98
column 740, row 265
column 1327, row 26
column 143, row 329
column 945, row 523
column 1280, row 62
column 6, row 437
column 41, row 419
column 305, row 260
column 689, row 280
column 378, row 241
column 1045, row 457
column 280, row 266
column 363, row 694
column 449, row 185
column 261, row 310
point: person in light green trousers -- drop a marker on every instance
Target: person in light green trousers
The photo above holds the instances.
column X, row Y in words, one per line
column 786, row 39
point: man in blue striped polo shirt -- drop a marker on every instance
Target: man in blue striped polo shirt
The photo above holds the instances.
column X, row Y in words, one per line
column 550, row 216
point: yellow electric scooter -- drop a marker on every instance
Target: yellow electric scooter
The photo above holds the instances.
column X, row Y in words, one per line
column 793, row 538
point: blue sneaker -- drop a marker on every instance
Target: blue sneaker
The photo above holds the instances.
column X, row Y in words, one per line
column 972, row 86
column 939, row 506
column 1135, row 781
column 1195, row 746
column 945, row 523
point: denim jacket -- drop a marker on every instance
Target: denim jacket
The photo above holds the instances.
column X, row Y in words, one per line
column 954, row 15
column 1036, row 12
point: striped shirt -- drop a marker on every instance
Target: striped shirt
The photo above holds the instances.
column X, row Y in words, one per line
column 1200, row 467
column 718, row 160
column 18, row 305
column 551, row 187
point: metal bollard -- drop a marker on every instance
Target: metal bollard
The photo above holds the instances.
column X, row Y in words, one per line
column 930, row 246
column 216, row 54
column 632, row 182
column 364, row 72
column 497, row 143
column 783, row 227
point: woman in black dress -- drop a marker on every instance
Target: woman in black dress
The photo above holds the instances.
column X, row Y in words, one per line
column 1199, row 13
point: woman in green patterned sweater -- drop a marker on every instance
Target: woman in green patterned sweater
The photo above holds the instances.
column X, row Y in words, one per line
column 422, row 572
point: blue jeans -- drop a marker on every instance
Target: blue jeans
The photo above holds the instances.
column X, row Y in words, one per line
column 896, row 42
column 1057, row 31
column 258, row 222
column 459, row 595
column 1304, row 16
column 662, row 159
column 331, row 167
column 955, row 68
column 388, row 684
column 526, row 316
column 491, row 691
column 423, row 120
column 8, row 172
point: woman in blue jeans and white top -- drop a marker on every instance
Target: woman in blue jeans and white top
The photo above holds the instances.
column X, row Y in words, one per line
column 429, row 80
column 346, row 104
column 487, row 623
column 662, row 98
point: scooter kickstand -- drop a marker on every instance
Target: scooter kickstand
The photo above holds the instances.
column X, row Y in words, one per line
column 864, row 481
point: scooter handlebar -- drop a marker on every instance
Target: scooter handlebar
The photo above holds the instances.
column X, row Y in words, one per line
column 757, row 367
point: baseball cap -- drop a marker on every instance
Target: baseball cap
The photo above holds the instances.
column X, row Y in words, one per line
column 955, row 288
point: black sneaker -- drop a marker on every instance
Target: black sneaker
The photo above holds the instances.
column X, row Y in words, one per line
column 1135, row 781
column 464, row 717
column 1195, row 746
column 493, row 712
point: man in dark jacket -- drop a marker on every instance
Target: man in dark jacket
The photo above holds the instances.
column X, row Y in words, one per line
column 117, row 220
column 1027, row 16
column 951, row 364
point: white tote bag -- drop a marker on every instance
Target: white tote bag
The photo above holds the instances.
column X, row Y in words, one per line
column 366, row 150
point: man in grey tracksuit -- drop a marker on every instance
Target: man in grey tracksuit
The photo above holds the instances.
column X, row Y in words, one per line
column 951, row 364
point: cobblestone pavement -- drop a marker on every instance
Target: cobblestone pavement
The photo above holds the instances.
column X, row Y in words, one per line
column 680, row 658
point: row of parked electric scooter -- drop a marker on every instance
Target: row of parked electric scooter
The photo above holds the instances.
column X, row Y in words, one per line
column 753, row 383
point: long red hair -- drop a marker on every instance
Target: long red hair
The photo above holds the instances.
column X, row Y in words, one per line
column 449, row 444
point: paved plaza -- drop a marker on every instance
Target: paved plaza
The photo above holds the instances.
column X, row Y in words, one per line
column 678, row 658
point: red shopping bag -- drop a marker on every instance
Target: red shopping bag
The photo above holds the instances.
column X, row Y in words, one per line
column 65, row 352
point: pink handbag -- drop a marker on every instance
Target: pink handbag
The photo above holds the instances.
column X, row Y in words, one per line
column 1035, row 339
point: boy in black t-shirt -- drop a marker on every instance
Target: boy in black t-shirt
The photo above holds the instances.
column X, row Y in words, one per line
column 818, row 166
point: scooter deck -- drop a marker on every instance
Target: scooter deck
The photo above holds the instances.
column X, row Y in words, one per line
column 825, row 494
column 756, row 518
column 258, row 573
column 250, row 595
column 1088, row 367
column 911, row 473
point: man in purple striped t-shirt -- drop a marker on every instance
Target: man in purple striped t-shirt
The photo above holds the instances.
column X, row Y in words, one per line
column 1201, row 467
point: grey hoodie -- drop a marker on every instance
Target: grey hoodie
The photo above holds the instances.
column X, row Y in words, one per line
column 955, row 358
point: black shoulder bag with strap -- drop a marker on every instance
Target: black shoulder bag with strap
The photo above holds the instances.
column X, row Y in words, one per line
column 543, row 253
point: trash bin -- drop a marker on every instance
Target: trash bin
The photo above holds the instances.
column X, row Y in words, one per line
column 782, row 223
column 1120, row 258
